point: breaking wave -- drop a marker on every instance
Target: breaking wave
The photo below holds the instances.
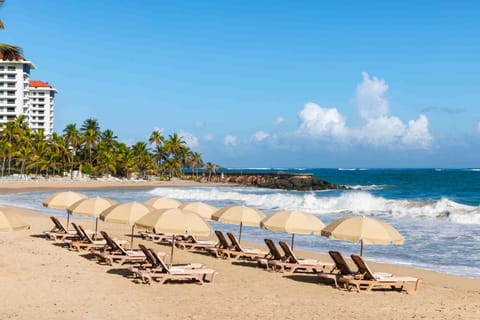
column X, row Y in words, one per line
column 356, row 202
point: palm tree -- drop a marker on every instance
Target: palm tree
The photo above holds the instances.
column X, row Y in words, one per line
column 7, row 51
column 90, row 136
column 156, row 138
column 212, row 168
column 72, row 139
column 195, row 161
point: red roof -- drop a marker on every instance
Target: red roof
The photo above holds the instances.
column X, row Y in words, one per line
column 39, row 83
column 19, row 58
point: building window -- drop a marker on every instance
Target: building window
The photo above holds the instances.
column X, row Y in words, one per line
column 11, row 76
column 11, row 68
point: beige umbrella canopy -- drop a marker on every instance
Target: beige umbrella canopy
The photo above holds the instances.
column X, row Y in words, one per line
column 125, row 213
column 10, row 221
column 176, row 222
column 162, row 203
column 364, row 229
column 294, row 222
column 204, row 210
column 240, row 215
column 63, row 200
column 91, row 207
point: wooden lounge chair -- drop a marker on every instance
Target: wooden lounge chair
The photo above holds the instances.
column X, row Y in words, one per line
column 180, row 272
column 370, row 280
column 191, row 243
column 86, row 242
column 150, row 264
column 118, row 255
column 59, row 232
column 238, row 252
column 292, row 263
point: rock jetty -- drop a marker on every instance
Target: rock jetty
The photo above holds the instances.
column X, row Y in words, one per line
column 280, row 180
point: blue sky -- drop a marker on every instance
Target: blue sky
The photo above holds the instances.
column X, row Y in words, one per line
column 267, row 83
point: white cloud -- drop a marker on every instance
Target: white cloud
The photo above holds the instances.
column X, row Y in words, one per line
column 208, row 137
column 199, row 124
column 378, row 128
column 260, row 136
column 190, row 139
column 321, row 122
column 417, row 133
column 279, row 120
column 369, row 97
column 230, row 141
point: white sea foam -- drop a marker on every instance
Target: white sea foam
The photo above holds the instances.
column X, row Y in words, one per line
column 368, row 187
column 356, row 202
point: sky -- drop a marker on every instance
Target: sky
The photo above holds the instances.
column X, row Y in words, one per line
column 354, row 84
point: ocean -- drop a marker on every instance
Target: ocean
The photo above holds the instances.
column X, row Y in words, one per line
column 436, row 210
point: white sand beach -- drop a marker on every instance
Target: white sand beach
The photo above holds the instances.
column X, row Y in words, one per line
column 41, row 279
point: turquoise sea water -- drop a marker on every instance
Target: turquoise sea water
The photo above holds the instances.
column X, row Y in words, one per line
column 436, row 210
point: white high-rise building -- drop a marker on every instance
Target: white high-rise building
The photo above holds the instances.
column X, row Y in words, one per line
column 41, row 106
column 16, row 97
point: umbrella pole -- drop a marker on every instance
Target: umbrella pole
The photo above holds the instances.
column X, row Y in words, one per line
column 293, row 238
column 171, row 252
column 131, row 238
column 68, row 219
column 240, row 233
column 361, row 248
column 96, row 226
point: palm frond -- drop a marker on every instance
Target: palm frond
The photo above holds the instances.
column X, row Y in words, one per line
column 10, row 52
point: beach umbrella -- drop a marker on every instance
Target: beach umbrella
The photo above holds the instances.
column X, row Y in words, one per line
column 175, row 221
column 162, row 203
column 63, row 200
column 364, row 229
column 126, row 213
column 204, row 210
column 294, row 222
column 10, row 221
column 240, row 215
column 91, row 207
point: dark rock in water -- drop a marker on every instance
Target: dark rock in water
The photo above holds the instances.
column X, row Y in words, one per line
column 285, row 181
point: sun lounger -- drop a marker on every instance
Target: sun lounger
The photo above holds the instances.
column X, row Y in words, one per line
column 292, row 263
column 238, row 252
column 118, row 255
column 370, row 280
column 150, row 264
column 341, row 273
column 180, row 272
column 59, row 232
column 273, row 256
column 86, row 242
column 223, row 247
column 191, row 243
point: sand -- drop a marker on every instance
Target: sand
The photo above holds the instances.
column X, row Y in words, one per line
column 41, row 279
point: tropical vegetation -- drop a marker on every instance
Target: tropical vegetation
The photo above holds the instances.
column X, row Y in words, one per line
column 93, row 151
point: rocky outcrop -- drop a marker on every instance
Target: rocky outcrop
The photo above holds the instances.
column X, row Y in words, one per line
column 286, row 181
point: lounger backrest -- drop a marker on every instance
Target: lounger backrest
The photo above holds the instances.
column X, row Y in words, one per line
column 112, row 243
column 363, row 267
column 80, row 233
column 222, row 240
column 159, row 261
column 340, row 263
column 273, row 249
column 288, row 252
column 58, row 225
column 150, row 258
column 86, row 235
column 234, row 241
